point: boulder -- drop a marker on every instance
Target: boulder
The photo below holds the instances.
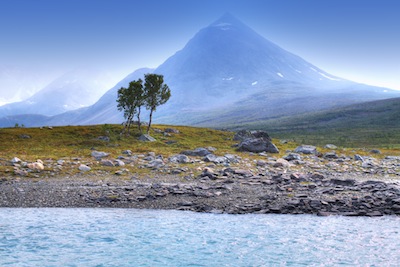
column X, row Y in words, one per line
column 38, row 166
column 244, row 134
column 15, row 160
column 179, row 158
column 106, row 162
column 146, row 138
column 292, row 156
column 155, row 164
column 99, row 154
column 306, row 149
column 257, row 145
column 198, row 152
column 119, row 163
column 330, row 146
column 171, row 130
column 215, row 159
column 84, row 168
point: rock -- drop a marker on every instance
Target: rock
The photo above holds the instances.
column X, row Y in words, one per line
column 99, row 154
column 211, row 148
column 215, row 159
column 38, row 166
column 358, row 157
column 369, row 163
column 24, row 136
column 146, row 138
column 171, row 130
column 106, row 162
column 261, row 163
column 257, row 145
column 119, row 163
column 232, row 158
column 306, row 149
column 330, row 146
column 281, row 163
column 244, row 134
column 84, row 168
column 198, row 152
column 243, row 172
column 60, row 162
column 155, row 164
column 15, row 160
column 20, row 172
column 127, row 152
column 292, row 156
column 330, row 155
column 208, row 172
column 179, row 158
column 375, row 151
column 103, row 138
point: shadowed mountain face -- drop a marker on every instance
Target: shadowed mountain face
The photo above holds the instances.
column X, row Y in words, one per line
column 229, row 73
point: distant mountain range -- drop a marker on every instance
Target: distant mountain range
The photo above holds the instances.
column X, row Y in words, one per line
column 71, row 91
column 227, row 74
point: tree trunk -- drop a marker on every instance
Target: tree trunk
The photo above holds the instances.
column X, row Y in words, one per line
column 151, row 116
column 139, row 123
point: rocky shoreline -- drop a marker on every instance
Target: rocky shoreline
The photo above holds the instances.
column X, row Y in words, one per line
column 233, row 194
column 302, row 181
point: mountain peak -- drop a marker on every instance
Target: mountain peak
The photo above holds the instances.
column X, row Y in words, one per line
column 227, row 21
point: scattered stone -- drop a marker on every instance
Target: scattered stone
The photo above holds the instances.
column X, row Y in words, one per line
column 15, row 160
column 155, row 164
column 244, row 134
column 119, row 163
column 99, row 154
column 37, row 166
column 215, row 159
column 292, row 156
column 106, row 162
column 198, row 152
column 376, row 151
column 306, row 149
column 330, row 146
column 171, row 130
column 179, row 158
column 146, row 138
column 257, row 145
column 25, row 136
column 84, row 168
column 358, row 157
column 103, row 138
column 127, row 152
column 330, row 155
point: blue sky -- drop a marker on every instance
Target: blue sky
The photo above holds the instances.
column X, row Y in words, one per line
column 42, row 39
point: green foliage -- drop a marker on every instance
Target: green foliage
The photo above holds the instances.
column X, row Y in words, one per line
column 153, row 94
column 157, row 93
column 130, row 101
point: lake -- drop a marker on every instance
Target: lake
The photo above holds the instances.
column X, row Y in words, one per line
column 130, row 237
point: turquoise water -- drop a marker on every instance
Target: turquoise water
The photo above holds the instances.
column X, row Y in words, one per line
column 128, row 237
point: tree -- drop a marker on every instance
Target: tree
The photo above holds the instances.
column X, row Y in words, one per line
column 130, row 101
column 156, row 93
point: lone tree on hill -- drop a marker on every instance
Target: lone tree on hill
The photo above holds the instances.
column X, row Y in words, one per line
column 130, row 101
column 156, row 93
column 153, row 94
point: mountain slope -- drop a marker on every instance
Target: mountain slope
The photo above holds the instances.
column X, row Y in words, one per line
column 228, row 74
column 71, row 91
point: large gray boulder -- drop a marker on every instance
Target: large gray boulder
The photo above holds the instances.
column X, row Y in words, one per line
column 146, row 138
column 257, row 145
column 244, row 134
column 179, row 158
column 306, row 149
column 198, row 152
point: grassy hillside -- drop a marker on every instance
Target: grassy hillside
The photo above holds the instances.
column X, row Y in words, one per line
column 371, row 124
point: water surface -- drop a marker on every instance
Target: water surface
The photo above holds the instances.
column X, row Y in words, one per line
column 129, row 237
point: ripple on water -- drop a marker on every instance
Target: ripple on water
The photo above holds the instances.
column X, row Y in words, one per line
column 127, row 237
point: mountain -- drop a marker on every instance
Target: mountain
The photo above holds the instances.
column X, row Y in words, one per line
column 229, row 74
column 71, row 91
